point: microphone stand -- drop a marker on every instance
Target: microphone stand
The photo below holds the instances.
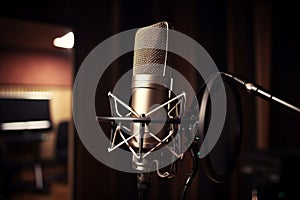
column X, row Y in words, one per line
column 143, row 184
column 143, row 179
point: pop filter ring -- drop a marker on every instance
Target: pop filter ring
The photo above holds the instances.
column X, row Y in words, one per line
column 207, row 160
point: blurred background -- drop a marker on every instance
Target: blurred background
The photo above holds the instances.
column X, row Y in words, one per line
column 259, row 40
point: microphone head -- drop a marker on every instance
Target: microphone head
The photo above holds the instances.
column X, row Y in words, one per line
column 149, row 61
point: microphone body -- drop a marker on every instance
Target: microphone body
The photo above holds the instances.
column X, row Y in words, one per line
column 146, row 94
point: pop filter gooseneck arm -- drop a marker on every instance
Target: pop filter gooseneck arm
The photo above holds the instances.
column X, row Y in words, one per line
column 261, row 92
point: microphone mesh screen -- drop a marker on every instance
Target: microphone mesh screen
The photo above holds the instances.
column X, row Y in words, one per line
column 145, row 60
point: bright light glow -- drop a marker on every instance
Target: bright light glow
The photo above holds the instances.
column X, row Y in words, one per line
column 26, row 95
column 29, row 125
column 66, row 41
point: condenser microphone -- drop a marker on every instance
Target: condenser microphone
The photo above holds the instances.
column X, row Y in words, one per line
column 151, row 83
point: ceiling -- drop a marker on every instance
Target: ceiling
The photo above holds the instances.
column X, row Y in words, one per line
column 25, row 34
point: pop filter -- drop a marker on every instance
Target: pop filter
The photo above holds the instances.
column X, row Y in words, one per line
column 219, row 164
